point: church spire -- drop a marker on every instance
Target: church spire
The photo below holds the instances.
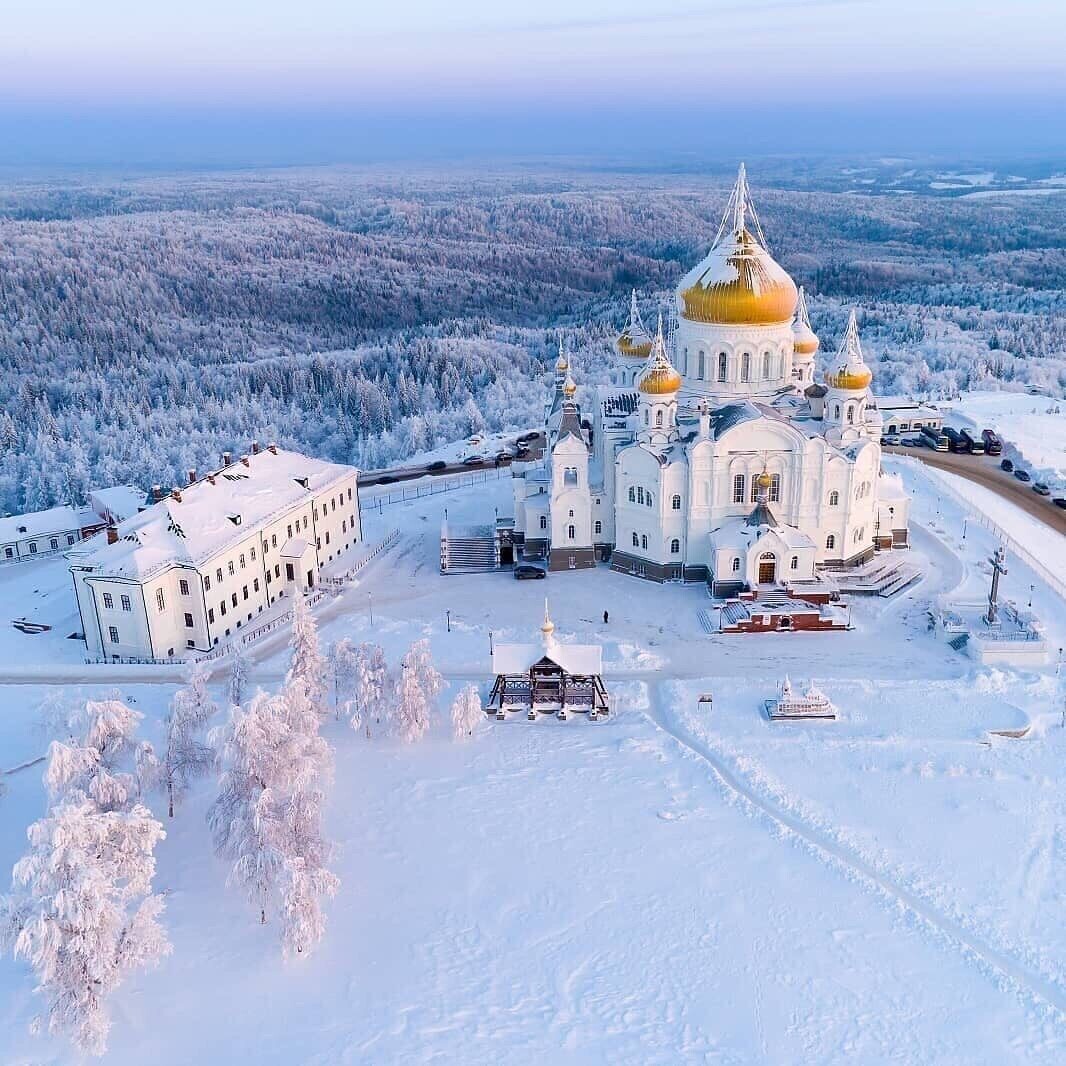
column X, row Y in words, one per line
column 740, row 216
column 659, row 377
column 803, row 320
column 547, row 628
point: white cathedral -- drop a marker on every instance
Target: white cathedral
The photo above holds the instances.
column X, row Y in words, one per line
column 716, row 457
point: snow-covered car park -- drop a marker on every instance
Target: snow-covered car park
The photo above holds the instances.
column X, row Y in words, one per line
column 680, row 881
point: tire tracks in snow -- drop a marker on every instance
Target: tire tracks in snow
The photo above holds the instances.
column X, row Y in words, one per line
column 1044, row 990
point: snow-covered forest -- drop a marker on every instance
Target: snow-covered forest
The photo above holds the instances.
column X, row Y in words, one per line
column 148, row 325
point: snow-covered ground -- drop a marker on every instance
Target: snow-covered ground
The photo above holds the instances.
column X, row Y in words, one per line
column 670, row 885
column 1032, row 427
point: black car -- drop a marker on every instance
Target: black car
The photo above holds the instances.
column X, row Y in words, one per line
column 1060, row 501
column 388, row 479
column 1022, row 475
column 527, row 437
column 437, row 464
column 1006, row 464
column 528, row 572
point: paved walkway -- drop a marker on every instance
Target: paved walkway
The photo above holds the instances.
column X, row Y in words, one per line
column 984, row 470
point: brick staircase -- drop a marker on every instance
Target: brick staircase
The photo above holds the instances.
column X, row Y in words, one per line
column 469, row 554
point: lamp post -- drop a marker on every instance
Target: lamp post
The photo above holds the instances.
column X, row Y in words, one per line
column 964, row 521
column 448, row 614
column 1031, row 589
column 490, row 642
column 370, row 598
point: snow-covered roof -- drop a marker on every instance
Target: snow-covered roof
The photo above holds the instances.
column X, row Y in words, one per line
column 294, row 548
column 580, row 659
column 743, row 532
column 119, row 501
column 219, row 510
column 39, row 523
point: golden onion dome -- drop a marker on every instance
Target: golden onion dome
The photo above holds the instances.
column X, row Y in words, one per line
column 562, row 366
column 569, row 387
column 763, row 480
column 804, row 340
column 849, row 377
column 738, row 284
column 638, row 347
column 659, row 381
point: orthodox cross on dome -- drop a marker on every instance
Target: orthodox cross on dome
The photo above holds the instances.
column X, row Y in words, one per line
column 635, row 324
column 563, row 365
column 850, row 349
column 740, row 216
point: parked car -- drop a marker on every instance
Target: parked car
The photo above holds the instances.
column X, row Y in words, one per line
column 1041, row 489
column 473, row 460
column 388, row 479
column 504, row 457
column 890, row 439
column 1022, row 475
column 528, row 572
column 1006, row 464
column 527, row 437
column 437, row 464
column 911, row 442
column 1060, row 501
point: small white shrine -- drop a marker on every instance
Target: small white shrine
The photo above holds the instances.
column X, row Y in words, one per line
column 548, row 677
column 813, row 703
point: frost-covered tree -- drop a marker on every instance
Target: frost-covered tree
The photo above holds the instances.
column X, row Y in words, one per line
column 417, row 687
column 187, row 754
column 238, row 676
column 81, row 910
column 343, row 672
column 466, row 712
column 267, row 817
column 371, row 686
column 107, row 763
column 308, row 664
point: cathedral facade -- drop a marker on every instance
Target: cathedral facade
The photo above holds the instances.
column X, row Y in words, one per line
column 717, row 457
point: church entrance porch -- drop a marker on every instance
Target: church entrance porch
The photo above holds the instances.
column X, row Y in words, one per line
column 767, row 569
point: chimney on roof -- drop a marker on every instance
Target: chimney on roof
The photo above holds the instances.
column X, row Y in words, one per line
column 227, row 458
column 176, row 495
column 157, row 493
column 255, row 447
column 210, row 479
column 112, row 534
column 272, row 448
column 192, row 477
column 245, row 461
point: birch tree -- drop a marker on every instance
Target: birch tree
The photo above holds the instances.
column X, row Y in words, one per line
column 187, row 754
column 307, row 664
column 466, row 712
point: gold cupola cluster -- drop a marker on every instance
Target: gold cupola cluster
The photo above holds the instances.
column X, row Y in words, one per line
column 634, row 342
column 739, row 283
column 659, row 378
column 849, row 369
column 805, row 341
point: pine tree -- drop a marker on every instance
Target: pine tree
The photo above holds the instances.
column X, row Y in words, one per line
column 466, row 712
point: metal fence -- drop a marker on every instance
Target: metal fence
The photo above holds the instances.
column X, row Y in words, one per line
column 1027, row 557
column 378, row 496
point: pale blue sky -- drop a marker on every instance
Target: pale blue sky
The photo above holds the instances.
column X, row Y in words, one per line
column 70, row 59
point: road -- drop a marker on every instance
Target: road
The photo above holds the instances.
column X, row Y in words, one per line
column 395, row 474
column 984, row 470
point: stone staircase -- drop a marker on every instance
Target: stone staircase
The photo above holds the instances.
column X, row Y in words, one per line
column 468, row 552
column 883, row 577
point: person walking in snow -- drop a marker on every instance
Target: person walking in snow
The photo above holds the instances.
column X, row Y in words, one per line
column 605, row 618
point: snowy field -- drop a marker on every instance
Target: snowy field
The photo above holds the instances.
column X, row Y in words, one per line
column 670, row 885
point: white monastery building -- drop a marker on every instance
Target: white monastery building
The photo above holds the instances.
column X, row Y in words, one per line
column 203, row 562
column 716, row 457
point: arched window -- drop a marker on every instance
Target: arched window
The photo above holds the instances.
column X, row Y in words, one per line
column 795, row 562
column 649, row 499
column 599, row 527
column 830, row 541
column 571, row 532
column 775, row 488
column 851, row 413
column 834, row 498
column 675, row 503
column 736, row 565
column 646, row 415
column 640, row 495
column 836, row 410
column 636, row 541
column 675, row 546
column 701, row 365
column 687, row 368
column 766, row 366
column 745, row 367
column 644, row 541
column 738, row 488
column 723, row 365
column 543, row 522
column 659, row 419
column 632, row 494
column 754, row 489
